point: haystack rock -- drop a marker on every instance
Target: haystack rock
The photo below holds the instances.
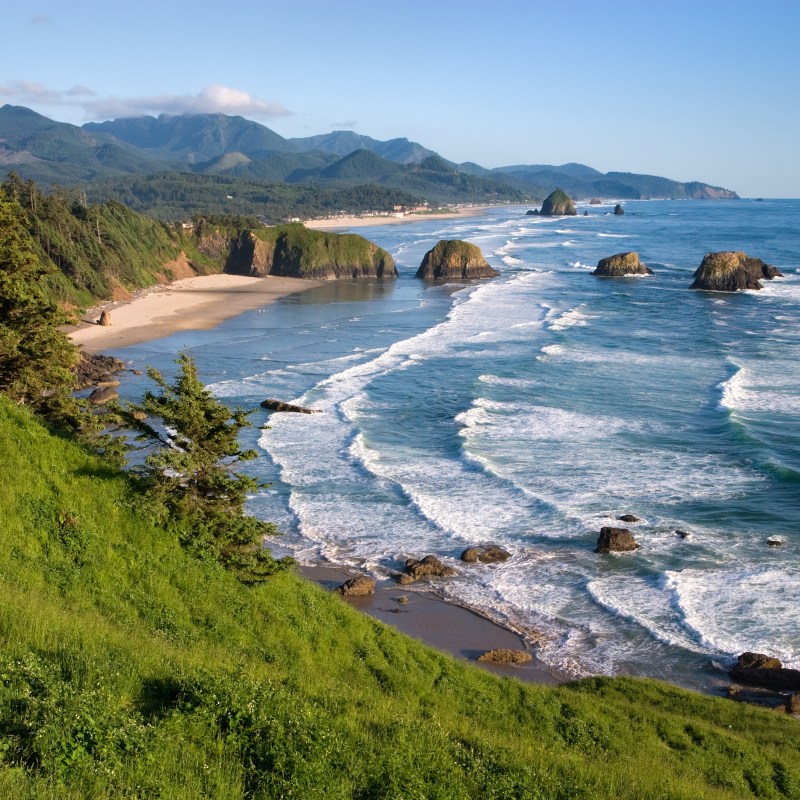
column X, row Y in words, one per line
column 455, row 259
column 730, row 271
column 619, row 210
column 621, row 264
column 615, row 540
column 558, row 204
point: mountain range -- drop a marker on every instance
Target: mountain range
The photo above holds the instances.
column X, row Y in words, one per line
column 114, row 154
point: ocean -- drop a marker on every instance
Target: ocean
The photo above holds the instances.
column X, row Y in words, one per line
column 535, row 408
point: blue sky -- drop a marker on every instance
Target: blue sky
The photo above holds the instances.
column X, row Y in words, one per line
column 704, row 90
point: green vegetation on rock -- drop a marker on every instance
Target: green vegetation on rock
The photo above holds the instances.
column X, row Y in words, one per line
column 731, row 271
column 455, row 259
column 558, row 204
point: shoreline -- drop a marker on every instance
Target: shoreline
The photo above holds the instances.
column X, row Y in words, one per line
column 448, row 627
column 197, row 303
column 337, row 223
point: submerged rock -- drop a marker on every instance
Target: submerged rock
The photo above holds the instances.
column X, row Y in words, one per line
column 279, row 405
column 628, row 518
column 360, row 586
column 455, row 259
column 504, row 655
column 615, row 540
column 486, row 554
column 621, row 264
column 731, row 271
column 428, row 567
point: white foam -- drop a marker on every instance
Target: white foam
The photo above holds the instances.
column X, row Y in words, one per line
column 570, row 318
column 615, row 235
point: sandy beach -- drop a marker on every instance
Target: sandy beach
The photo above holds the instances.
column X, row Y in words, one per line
column 338, row 223
column 190, row 304
column 450, row 628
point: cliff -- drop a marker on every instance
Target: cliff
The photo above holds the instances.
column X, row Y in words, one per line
column 295, row 251
column 455, row 259
column 730, row 271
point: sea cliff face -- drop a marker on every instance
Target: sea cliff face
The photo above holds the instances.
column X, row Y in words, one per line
column 297, row 252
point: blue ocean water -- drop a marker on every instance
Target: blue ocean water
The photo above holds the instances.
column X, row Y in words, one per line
column 535, row 408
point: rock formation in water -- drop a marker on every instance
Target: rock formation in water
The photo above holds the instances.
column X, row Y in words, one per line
column 619, row 210
column 615, row 540
column 762, row 670
column 730, row 271
column 595, row 201
column 486, row 554
column 453, row 259
column 621, row 264
column 557, row 204
column 279, row 405
column 428, row 567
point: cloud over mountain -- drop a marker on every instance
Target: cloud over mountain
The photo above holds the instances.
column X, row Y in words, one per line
column 210, row 100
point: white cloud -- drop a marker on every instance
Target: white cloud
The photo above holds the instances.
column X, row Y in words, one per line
column 212, row 99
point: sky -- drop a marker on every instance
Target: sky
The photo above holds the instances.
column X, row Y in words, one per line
column 700, row 90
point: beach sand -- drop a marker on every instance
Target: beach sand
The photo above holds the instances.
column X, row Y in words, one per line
column 191, row 304
column 339, row 223
column 428, row 618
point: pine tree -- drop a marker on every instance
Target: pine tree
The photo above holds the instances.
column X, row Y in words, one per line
column 36, row 358
column 194, row 442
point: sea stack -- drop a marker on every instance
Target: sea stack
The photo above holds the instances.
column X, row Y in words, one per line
column 619, row 210
column 620, row 265
column 455, row 259
column 558, row 204
column 730, row 271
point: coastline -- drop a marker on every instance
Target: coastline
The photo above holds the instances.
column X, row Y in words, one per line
column 448, row 627
column 338, row 223
column 197, row 303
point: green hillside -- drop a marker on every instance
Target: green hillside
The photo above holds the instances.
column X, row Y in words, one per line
column 131, row 669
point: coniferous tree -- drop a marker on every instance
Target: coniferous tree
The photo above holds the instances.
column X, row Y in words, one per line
column 189, row 471
column 36, row 358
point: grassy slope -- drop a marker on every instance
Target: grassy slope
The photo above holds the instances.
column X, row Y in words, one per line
column 127, row 669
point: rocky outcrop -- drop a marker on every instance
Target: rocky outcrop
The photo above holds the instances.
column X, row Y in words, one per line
column 615, row 540
column 454, row 259
column 279, row 405
column 620, row 265
column 294, row 251
column 428, row 567
column 731, row 271
column 96, row 369
column 763, row 670
column 360, row 586
column 557, row 204
column 503, row 655
column 595, row 201
column 103, row 395
column 105, row 318
column 629, row 518
column 619, row 210
column 486, row 554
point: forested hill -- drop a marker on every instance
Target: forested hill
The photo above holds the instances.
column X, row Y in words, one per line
column 343, row 170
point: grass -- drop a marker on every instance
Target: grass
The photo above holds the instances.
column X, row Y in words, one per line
column 129, row 669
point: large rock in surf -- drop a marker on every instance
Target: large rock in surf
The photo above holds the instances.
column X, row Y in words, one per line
column 730, row 271
column 486, row 554
column 619, row 210
column 294, row 251
column 615, row 540
column 428, row 567
column 455, row 259
column 558, row 204
column 621, row 264
column 279, row 405
column 595, row 201
column 763, row 670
